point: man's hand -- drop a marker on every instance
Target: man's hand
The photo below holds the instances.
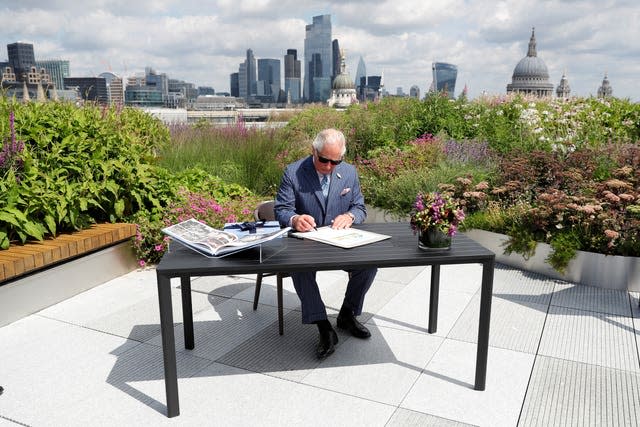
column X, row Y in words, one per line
column 342, row 221
column 303, row 223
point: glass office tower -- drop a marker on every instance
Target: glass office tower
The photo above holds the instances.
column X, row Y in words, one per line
column 269, row 77
column 444, row 77
column 21, row 59
column 292, row 75
column 58, row 69
column 318, row 59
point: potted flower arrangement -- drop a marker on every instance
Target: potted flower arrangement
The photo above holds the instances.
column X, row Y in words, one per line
column 435, row 219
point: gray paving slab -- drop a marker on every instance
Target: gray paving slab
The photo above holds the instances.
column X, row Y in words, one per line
column 290, row 356
column 382, row 368
column 269, row 293
column 222, row 327
column 522, row 286
column 445, row 388
column 458, row 278
column 401, row 275
column 122, row 292
column 406, row 418
column 590, row 337
column 514, row 325
column 563, row 392
column 591, row 298
column 409, row 309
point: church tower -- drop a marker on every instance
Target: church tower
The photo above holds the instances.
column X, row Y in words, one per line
column 563, row 90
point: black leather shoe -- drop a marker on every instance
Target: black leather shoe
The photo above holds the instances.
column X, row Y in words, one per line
column 349, row 322
column 328, row 339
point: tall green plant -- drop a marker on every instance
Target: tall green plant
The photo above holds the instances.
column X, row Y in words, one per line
column 80, row 165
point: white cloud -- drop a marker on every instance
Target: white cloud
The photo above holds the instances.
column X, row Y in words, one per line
column 203, row 41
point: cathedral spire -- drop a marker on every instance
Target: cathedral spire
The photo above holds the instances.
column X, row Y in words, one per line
column 532, row 43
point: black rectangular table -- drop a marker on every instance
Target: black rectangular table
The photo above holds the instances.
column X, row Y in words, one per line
column 291, row 255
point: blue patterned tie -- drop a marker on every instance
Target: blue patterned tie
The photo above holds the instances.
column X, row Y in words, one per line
column 325, row 185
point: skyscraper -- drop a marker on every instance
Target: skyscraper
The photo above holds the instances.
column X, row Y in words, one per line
column 318, row 59
column 414, row 92
column 115, row 88
column 444, row 77
column 58, row 69
column 336, row 59
column 247, row 78
column 269, row 78
column 234, row 85
column 361, row 72
column 21, row 59
column 292, row 75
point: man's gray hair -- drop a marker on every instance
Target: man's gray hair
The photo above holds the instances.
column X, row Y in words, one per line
column 330, row 137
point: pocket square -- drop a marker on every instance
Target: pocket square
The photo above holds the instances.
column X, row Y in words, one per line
column 345, row 191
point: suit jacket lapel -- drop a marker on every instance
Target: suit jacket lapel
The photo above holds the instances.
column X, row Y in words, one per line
column 335, row 184
column 311, row 175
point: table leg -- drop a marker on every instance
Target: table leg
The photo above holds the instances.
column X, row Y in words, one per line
column 484, row 323
column 433, row 299
column 168, row 345
column 187, row 312
column 280, row 314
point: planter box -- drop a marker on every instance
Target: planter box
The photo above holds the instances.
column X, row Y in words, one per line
column 39, row 274
column 587, row 268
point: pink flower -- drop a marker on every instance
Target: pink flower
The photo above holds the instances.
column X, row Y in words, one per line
column 141, row 263
column 611, row 234
column 158, row 248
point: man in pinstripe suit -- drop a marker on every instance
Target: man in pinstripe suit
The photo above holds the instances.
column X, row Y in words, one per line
column 316, row 191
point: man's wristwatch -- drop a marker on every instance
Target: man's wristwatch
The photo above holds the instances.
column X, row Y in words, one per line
column 352, row 216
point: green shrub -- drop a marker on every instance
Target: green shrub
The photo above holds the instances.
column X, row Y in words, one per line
column 79, row 166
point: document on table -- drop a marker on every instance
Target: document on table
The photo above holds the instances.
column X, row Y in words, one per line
column 345, row 238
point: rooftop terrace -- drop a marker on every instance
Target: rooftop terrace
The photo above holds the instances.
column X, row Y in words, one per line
column 561, row 354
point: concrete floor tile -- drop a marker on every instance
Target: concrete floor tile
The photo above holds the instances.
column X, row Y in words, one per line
column 382, row 368
column 238, row 398
column 563, row 392
column 138, row 285
column 269, row 293
column 514, row 325
column 591, row 337
column 445, row 389
column 217, row 330
column 465, row 278
column 224, row 286
column 46, row 364
column 406, row 418
column 590, row 298
column 409, row 309
column 401, row 275
column 290, row 356
column 522, row 286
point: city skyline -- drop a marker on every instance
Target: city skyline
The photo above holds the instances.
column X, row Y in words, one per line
column 204, row 41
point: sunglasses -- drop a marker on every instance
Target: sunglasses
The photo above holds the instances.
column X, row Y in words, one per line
column 325, row 160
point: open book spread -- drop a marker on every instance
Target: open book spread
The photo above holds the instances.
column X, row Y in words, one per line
column 215, row 243
column 345, row 238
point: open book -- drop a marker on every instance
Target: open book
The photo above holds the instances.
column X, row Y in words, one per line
column 216, row 243
column 345, row 238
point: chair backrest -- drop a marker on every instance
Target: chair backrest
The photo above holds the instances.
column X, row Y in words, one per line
column 264, row 211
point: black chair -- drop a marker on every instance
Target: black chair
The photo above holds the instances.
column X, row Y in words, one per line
column 264, row 212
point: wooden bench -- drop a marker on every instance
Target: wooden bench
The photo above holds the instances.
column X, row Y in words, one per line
column 37, row 275
column 23, row 259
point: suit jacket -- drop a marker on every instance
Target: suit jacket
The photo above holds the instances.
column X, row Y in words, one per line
column 300, row 193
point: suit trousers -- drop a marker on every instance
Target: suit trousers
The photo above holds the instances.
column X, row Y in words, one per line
column 313, row 308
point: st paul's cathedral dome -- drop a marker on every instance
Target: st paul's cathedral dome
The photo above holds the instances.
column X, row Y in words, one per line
column 531, row 75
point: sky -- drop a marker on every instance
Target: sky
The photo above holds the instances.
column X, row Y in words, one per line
column 204, row 41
